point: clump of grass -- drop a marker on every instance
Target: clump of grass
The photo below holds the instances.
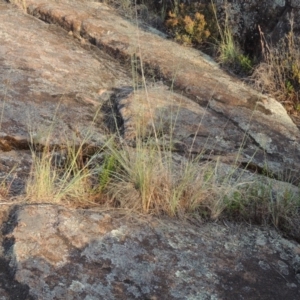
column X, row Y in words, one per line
column 148, row 179
column 259, row 203
column 279, row 72
column 229, row 52
column 60, row 175
column 153, row 180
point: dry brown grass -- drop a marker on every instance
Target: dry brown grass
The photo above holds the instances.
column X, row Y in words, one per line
column 61, row 175
column 279, row 72
column 153, row 180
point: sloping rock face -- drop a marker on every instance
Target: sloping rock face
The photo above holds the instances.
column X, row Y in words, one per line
column 49, row 84
column 64, row 254
column 256, row 126
column 52, row 91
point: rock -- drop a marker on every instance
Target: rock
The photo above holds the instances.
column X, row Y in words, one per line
column 205, row 131
column 51, row 87
column 15, row 166
column 87, row 254
column 256, row 125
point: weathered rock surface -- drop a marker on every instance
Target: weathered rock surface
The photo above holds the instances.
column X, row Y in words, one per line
column 49, row 84
column 64, row 254
column 52, row 81
column 203, row 130
column 246, row 119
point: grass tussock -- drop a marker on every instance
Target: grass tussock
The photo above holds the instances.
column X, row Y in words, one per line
column 150, row 180
column 59, row 176
column 279, row 72
column 229, row 53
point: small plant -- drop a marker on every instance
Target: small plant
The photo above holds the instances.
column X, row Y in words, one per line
column 108, row 168
column 229, row 52
column 60, row 174
column 246, row 64
column 187, row 25
column 146, row 178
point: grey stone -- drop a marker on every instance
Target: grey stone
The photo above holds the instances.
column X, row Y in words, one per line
column 134, row 259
